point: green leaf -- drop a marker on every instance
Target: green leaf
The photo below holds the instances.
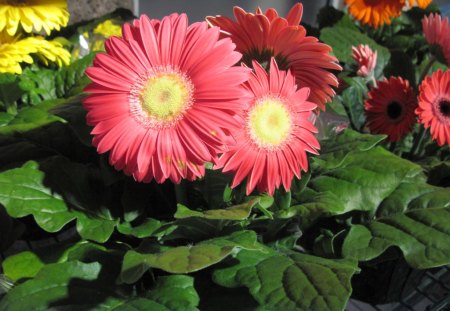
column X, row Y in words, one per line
column 37, row 85
column 145, row 229
column 290, row 282
column 71, row 80
column 237, row 212
column 353, row 99
column 364, row 181
column 176, row 292
column 22, row 266
column 336, row 149
column 27, row 119
column 9, row 91
column 186, row 259
column 23, row 193
column 70, row 285
column 359, row 184
column 415, row 218
column 341, row 39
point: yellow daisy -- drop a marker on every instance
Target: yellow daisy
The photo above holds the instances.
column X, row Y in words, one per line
column 14, row 51
column 33, row 15
column 108, row 29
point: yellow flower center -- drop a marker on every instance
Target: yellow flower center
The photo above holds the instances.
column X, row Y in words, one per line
column 164, row 96
column 269, row 123
column 160, row 99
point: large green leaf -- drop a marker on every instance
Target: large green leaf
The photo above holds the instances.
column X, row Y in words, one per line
column 334, row 150
column 176, row 292
column 22, row 192
column 186, row 259
column 361, row 182
column 290, row 281
column 75, row 285
column 415, row 218
column 29, row 118
column 341, row 39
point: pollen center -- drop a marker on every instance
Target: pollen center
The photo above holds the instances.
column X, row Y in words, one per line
column 394, row 110
column 371, row 2
column 269, row 123
column 165, row 96
column 444, row 108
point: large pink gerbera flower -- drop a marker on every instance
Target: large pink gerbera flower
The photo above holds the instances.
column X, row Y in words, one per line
column 260, row 36
column 272, row 144
column 434, row 106
column 163, row 97
column 437, row 33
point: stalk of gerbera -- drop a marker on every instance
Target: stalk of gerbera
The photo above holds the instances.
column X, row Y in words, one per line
column 390, row 108
column 434, row 106
column 437, row 33
column 366, row 59
column 261, row 36
column 275, row 135
column 375, row 13
column 33, row 15
column 163, row 98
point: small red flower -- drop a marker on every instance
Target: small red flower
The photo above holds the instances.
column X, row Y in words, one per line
column 434, row 106
column 390, row 108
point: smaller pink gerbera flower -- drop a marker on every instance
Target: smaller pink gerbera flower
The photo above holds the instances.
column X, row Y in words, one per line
column 276, row 133
column 366, row 59
column 437, row 34
column 434, row 106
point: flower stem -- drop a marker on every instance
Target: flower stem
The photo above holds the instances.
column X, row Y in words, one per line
column 427, row 68
column 418, row 142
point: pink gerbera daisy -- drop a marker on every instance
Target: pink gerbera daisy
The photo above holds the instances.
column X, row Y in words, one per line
column 437, row 34
column 390, row 108
column 163, row 97
column 260, row 36
column 365, row 58
column 434, row 106
column 276, row 133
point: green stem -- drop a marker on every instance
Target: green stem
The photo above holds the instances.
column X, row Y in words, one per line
column 392, row 146
column 427, row 69
column 418, row 142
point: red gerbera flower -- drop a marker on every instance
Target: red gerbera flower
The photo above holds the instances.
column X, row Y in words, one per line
column 390, row 108
column 260, row 36
column 434, row 106
column 437, row 33
column 163, row 97
column 276, row 134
